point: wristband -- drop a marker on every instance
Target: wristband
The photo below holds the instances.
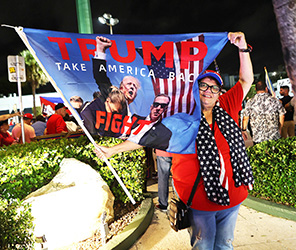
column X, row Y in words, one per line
column 248, row 50
column 244, row 130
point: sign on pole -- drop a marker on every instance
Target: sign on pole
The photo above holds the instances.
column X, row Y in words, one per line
column 17, row 73
column 13, row 62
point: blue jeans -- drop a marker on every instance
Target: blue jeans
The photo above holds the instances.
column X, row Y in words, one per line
column 213, row 230
column 163, row 171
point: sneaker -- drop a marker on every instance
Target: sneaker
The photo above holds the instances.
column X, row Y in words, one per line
column 161, row 208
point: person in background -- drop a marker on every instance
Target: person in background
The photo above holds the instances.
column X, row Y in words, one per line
column 288, row 129
column 164, row 163
column 266, row 115
column 71, row 125
column 28, row 129
column 39, row 125
column 56, row 123
column 293, row 103
column 5, row 138
column 77, row 103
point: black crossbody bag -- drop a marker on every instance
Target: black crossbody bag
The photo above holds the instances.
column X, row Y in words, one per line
column 179, row 211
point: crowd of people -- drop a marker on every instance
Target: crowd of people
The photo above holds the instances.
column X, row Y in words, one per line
column 59, row 122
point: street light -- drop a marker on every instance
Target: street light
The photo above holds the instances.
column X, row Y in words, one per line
column 108, row 20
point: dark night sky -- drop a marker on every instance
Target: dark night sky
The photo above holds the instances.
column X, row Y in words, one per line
column 255, row 18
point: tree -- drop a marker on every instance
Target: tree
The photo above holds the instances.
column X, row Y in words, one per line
column 35, row 75
column 285, row 11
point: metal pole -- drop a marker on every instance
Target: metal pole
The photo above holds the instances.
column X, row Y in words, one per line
column 19, row 86
column 84, row 18
column 111, row 30
column 216, row 66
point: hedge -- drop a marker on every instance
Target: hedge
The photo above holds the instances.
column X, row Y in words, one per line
column 274, row 169
column 16, row 227
column 27, row 167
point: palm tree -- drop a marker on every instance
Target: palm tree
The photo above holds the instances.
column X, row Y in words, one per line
column 285, row 11
column 35, row 75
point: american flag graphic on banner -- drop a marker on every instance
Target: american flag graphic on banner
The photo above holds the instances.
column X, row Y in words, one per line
column 176, row 82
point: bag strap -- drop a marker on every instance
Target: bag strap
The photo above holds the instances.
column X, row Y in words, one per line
column 189, row 202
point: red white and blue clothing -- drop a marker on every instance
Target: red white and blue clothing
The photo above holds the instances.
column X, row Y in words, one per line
column 186, row 166
column 226, row 172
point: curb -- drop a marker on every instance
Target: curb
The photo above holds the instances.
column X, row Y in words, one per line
column 271, row 208
column 132, row 232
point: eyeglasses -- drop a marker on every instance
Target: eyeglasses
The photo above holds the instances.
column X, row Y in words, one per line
column 214, row 88
column 162, row 105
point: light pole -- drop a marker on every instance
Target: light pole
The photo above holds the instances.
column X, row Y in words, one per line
column 84, row 17
column 108, row 20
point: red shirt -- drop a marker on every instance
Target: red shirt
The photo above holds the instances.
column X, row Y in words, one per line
column 56, row 124
column 185, row 167
column 5, row 139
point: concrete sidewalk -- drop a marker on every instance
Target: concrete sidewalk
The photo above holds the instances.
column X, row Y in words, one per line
column 254, row 231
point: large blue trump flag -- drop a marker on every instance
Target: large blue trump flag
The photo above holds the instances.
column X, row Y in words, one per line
column 165, row 65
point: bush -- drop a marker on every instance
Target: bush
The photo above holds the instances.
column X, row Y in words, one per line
column 16, row 227
column 131, row 168
column 274, row 169
column 27, row 167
